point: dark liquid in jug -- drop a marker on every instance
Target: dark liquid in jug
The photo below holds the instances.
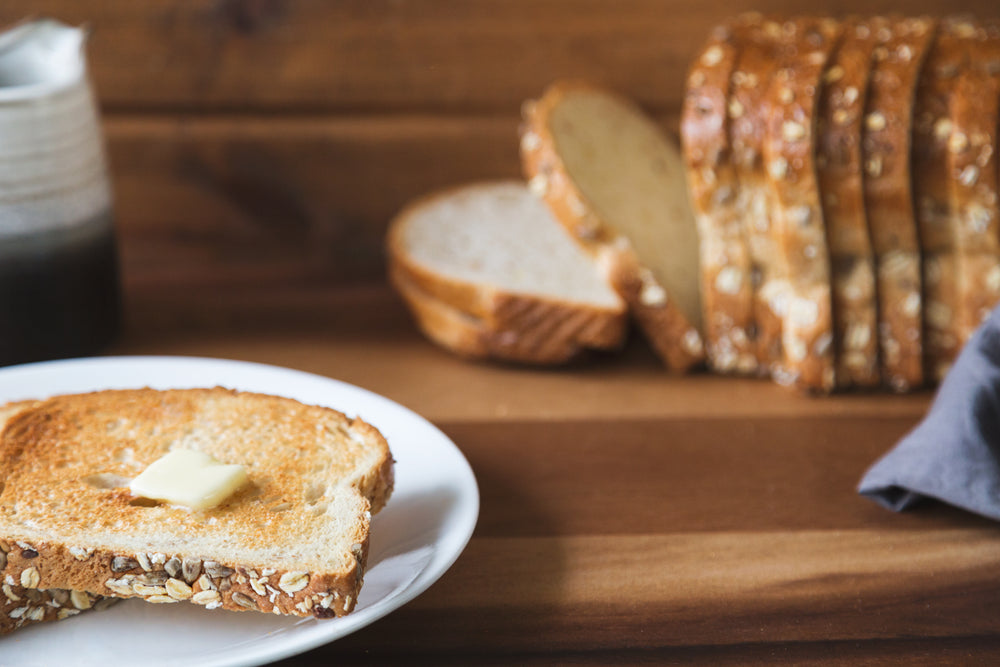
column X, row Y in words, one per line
column 59, row 292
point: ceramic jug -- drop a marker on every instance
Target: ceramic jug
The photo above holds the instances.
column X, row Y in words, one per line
column 59, row 281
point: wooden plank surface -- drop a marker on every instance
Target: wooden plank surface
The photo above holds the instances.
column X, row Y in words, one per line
column 237, row 199
column 629, row 517
column 400, row 55
column 364, row 336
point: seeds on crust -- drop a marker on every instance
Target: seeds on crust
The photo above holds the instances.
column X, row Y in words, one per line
column 157, row 578
column 792, row 131
column 292, row 582
column 10, row 594
column 205, row 583
column 146, row 590
column 173, row 567
column 30, row 578
column 79, row 553
column 80, row 600
column 712, row 56
column 205, row 597
column 178, row 589
column 875, row 121
column 191, row 568
column 217, row 570
column 245, row 601
column 123, row 564
column 122, row 586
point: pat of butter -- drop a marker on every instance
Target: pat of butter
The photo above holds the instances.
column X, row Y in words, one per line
column 189, row 478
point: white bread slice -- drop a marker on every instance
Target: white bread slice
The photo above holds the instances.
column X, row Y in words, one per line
column 615, row 180
column 292, row 541
column 470, row 337
column 487, row 272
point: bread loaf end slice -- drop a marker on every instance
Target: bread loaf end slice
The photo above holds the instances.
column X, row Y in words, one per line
column 616, row 181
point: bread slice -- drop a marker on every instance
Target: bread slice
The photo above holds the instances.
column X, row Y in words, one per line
column 886, row 143
column 292, row 541
column 761, row 42
column 972, row 171
column 798, row 227
column 488, row 272
column 726, row 270
column 470, row 337
column 932, row 129
column 616, row 181
column 838, row 169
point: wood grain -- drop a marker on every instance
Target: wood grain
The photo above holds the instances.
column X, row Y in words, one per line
column 364, row 335
column 595, row 592
column 400, row 55
column 274, row 199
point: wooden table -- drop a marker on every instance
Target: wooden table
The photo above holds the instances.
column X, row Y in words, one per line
column 629, row 517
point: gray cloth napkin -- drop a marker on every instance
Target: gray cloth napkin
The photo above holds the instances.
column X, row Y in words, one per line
column 953, row 455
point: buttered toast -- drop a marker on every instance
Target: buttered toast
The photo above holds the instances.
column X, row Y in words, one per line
column 293, row 540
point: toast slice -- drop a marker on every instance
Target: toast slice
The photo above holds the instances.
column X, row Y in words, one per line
column 616, row 181
column 488, row 272
column 294, row 540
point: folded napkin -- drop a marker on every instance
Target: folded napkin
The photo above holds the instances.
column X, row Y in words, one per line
column 953, row 455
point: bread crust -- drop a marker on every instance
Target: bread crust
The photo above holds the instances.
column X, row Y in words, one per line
column 838, row 165
column 673, row 337
column 35, row 436
column 798, row 228
column 726, row 269
column 21, row 606
column 495, row 313
column 543, row 341
column 886, row 144
column 972, row 171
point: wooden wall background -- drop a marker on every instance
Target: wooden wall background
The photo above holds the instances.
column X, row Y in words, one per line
column 257, row 141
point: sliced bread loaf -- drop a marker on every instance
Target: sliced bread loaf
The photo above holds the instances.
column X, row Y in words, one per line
column 294, row 540
column 488, row 272
column 616, row 181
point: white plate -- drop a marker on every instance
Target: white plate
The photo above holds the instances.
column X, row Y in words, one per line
column 422, row 530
